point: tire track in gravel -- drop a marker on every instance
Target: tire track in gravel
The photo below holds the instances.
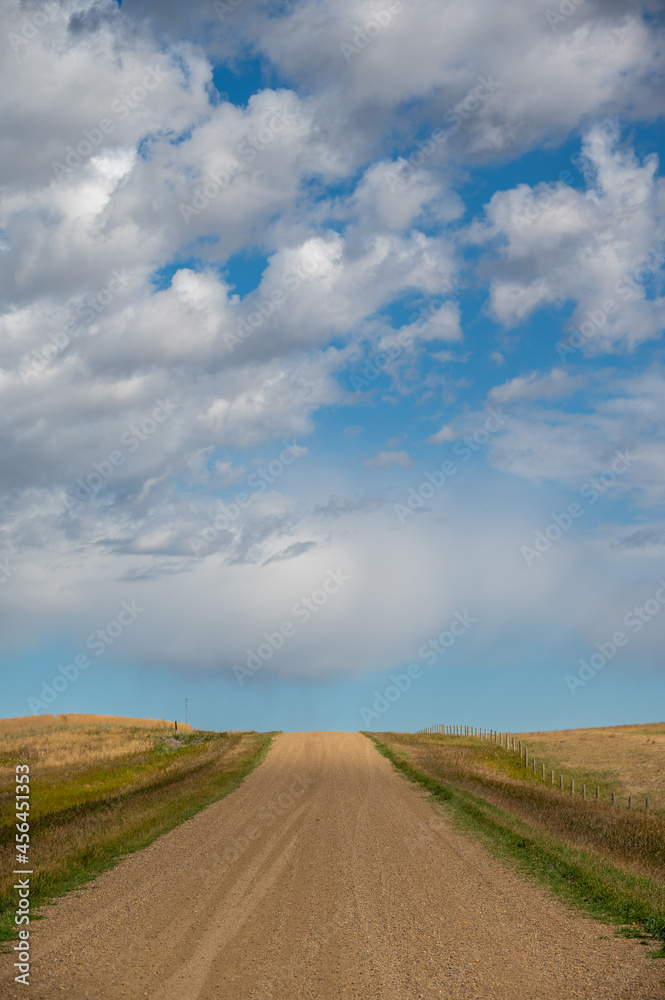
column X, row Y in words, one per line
column 325, row 875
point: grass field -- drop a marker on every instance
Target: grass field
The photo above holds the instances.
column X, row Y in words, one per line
column 101, row 787
column 608, row 861
column 629, row 760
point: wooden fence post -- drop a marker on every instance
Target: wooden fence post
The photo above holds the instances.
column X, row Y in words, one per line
column 572, row 786
column 613, row 801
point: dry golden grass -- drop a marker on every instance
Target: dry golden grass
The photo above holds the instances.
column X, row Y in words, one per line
column 630, row 759
column 75, row 741
column 32, row 724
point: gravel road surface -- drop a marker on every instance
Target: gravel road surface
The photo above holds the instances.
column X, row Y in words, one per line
column 325, row 875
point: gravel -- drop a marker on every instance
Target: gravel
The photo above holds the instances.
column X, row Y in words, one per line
column 325, row 875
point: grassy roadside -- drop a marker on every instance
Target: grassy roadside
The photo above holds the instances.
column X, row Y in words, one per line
column 88, row 812
column 560, row 843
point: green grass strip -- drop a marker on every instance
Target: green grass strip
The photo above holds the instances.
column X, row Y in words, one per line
column 578, row 877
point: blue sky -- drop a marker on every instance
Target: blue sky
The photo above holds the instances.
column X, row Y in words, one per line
column 330, row 338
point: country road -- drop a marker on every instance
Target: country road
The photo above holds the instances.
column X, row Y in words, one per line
column 325, row 875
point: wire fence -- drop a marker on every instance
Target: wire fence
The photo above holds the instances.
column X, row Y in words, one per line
column 514, row 745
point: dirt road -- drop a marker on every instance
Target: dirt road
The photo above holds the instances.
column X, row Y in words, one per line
column 326, row 875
